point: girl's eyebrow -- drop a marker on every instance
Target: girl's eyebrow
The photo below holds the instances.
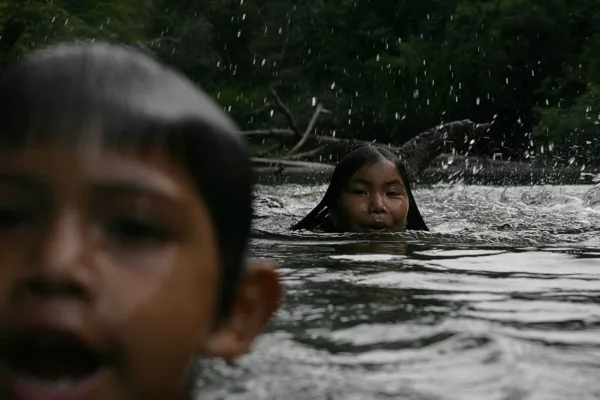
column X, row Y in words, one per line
column 395, row 182
column 387, row 183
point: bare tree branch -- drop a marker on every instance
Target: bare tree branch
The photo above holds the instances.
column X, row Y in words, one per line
column 286, row 112
column 310, row 153
column 265, row 107
column 309, row 129
column 275, row 132
column 269, row 149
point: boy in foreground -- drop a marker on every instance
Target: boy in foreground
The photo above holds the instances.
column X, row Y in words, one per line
column 125, row 211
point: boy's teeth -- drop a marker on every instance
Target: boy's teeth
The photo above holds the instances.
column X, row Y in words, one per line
column 48, row 384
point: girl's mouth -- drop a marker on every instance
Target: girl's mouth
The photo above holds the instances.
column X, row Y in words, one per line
column 47, row 365
column 377, row 227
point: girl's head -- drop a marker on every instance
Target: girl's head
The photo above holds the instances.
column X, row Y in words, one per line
column 369, row 192
column 125, row 210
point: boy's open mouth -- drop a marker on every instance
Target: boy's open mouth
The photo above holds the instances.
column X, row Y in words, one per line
column 47, row 365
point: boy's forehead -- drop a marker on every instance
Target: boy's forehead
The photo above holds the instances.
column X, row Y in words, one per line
column 150, row 171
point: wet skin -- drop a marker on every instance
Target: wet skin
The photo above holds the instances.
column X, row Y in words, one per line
column 114, row 253
column 374, row 200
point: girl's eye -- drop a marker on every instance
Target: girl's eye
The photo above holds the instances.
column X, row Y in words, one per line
column 12, row 218
column 357, row 192
column 394, row 194
column 134, row 231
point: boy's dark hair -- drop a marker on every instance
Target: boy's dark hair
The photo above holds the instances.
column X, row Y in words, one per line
column 65, row 94
column 318, row 219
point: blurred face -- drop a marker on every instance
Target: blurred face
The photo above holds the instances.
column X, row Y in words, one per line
column 374, row 200
column 110, row 277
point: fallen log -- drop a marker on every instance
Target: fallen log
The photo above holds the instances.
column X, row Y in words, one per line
column 280, row 165
column 421, row 150
column 416, row 154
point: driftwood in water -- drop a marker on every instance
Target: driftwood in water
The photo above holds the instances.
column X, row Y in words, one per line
column 268, row 165
column 417, row 153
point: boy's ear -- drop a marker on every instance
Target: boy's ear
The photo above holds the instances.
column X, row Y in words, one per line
column 257, row 299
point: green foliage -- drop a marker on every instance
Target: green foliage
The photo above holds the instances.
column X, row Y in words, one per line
column 386, row 69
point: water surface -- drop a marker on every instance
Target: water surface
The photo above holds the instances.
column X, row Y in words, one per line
column 500, row 301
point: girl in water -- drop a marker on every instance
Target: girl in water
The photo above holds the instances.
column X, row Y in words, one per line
column 369, row 192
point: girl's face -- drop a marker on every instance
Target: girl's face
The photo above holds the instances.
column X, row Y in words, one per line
column 110, row 277
column 375, row 200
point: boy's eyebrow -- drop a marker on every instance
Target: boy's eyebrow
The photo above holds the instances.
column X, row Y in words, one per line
column 34, row 183
column 134, row 188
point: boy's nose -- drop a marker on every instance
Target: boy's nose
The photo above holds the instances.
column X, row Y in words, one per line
column 59, row 268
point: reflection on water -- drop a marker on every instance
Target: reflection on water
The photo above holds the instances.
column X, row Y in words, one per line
column 501, row 301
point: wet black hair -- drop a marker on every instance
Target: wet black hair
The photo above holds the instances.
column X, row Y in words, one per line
column 123, row 97
column 318, row 219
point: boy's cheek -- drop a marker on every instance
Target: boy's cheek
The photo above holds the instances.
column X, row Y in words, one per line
column 162, row 325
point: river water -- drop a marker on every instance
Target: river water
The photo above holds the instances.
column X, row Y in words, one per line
column 500, row 301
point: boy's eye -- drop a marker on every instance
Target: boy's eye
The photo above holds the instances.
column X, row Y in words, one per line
column 394, row 194
column 12, row 218
column 137, row 231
